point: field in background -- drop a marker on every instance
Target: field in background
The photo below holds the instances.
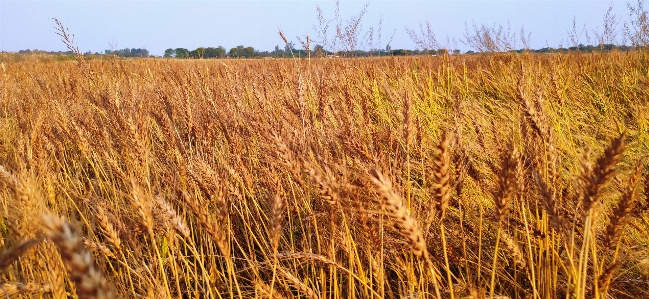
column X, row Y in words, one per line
column 518, row 175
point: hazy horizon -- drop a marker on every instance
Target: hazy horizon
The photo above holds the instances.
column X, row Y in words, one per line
column 158, row 25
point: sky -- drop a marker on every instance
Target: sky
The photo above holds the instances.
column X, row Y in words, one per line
column 158, row 25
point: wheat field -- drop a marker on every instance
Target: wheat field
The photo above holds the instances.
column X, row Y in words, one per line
column 458, row 176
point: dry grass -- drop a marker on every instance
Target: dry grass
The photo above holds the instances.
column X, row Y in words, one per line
column 258, row 179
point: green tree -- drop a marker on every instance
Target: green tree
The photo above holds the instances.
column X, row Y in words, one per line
column 288, row 49
column 214, row 52
column 233, row 53
column 249, row 52
column 198, row 53
column 169, row 53
column 181, row 53
column 278, row 52
column 238, row 52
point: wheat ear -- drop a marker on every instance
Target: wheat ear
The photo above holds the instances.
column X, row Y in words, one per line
column 56, row 272
column 596, row 177
column 297, row 283
column 508, row 177
column 442, row 186
column 623, row 212
column 107, row 228
column 406, row 225
column 210, row 225
column 172, row 217
column 88, row 280
column 277, row 215
column 323, row 184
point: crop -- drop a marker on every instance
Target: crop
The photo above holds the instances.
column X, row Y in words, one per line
column 476, row 176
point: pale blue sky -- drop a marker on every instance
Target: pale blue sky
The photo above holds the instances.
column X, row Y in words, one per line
column 158, row 25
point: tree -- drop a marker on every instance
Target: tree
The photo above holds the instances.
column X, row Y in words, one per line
column 126, row 52
column 220, row 52
column 289, row 48
column 241, row 51
column 181, row 53
column 319, row 51
column 233, row 53
column 248, row 52
column 278, row 52
column 169, row 53
column 214, row 52
column 198, row 53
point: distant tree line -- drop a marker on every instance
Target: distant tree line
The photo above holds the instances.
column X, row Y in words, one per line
column 289, row 51
column 578, row 48
column 126, row 52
